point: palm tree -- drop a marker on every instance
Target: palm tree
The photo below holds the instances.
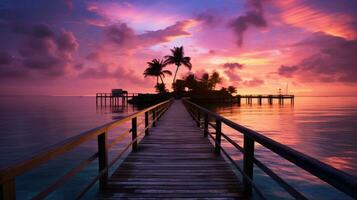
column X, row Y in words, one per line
column 178, row 58
column 232, row 90
column 156, row 68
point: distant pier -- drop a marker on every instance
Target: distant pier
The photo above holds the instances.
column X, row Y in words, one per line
column 104, row 99
column 249, row 99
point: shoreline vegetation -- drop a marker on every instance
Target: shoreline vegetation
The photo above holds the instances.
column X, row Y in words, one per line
column 196, row 88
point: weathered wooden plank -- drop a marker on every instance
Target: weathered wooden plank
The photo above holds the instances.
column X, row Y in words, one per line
column 174, row 161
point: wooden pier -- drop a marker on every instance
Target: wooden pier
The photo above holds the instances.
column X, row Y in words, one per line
column 177, row 158
column 104, row 99
column 250, row 98
column 174, row 161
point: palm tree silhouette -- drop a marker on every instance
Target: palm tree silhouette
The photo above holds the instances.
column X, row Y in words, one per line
column 156, row 68
column 178, row 58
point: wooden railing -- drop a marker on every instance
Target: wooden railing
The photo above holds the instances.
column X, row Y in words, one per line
column 8, row 174
column 334, row 177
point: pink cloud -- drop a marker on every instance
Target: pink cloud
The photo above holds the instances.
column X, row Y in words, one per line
column 302, row 15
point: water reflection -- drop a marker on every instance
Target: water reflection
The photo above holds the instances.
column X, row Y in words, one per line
column 30, row 124
column 313, row 125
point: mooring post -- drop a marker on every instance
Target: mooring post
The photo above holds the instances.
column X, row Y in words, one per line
column 217, row 147
column 146, row 123
column 205, row 131
column 153, row 117
column 248, row 159
column 102, row 160
column 8, row 190
column 96, row 99
column 134, row 134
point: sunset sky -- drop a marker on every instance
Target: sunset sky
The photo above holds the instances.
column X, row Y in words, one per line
column 80, row 47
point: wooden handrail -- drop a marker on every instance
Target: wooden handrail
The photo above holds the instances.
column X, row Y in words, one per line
column 334, row 177
column 9, row 173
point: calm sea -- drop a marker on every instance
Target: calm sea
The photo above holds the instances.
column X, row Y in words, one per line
column 322, row 127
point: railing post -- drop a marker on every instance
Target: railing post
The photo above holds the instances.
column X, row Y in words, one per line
column 158, row 113
column 218, row 136
column 8, row 190
column 134, row 133
column 103, row 159
column 153, row 117
column 248, row 159
column 147, row 123
column 198, row 122
column 205, row 131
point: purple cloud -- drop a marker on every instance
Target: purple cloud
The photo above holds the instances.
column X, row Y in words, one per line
column 125, row 37
column 255, row 82
column 120, row 73
column 5, row 58
column 232, row 66
column 287, row 71
column 253, row 17
column 335, row 60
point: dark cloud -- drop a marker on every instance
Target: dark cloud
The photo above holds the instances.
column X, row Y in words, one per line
column 287, row 71
column 164, row 35
column 253, row 17
column 255, row 82
column 209, row 18
column 121, row 35
column 334, row 61
column 232, row 66
column 40, row 50
column 5, row 58
column 125, row 37
column 94, row 56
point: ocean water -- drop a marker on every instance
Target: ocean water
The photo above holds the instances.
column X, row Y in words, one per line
column 322, row 127
column 29, row 124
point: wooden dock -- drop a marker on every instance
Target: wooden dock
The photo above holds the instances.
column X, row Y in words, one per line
column 280, row 98
column 174, row 161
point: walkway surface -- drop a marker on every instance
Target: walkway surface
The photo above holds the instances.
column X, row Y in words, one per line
column 174, row 161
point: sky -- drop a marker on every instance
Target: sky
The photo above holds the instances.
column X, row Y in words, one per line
column 80, row 47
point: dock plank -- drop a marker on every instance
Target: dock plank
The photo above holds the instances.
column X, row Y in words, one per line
column 174, row 162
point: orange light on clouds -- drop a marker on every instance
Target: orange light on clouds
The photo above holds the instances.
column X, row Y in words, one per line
column 304, row 16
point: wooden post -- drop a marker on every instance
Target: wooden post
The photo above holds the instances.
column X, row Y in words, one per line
column 105, row 99
column 248, row 159
column 134, row 133
column 96, row 98
column 217, row 147
column 147, row 123
column 102, row 160
column 205, row 131
column 153, row 117
column 8, row 190
column 158, row 113
column 198, row 122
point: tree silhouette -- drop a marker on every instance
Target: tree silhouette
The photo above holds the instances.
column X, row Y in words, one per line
column 156, row 68
column 232, row 89
column 178, row 58
column 214, row 80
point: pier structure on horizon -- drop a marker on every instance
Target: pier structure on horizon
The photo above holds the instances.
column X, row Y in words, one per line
column 249, row 99
column 175, row 156
column 112, row 99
